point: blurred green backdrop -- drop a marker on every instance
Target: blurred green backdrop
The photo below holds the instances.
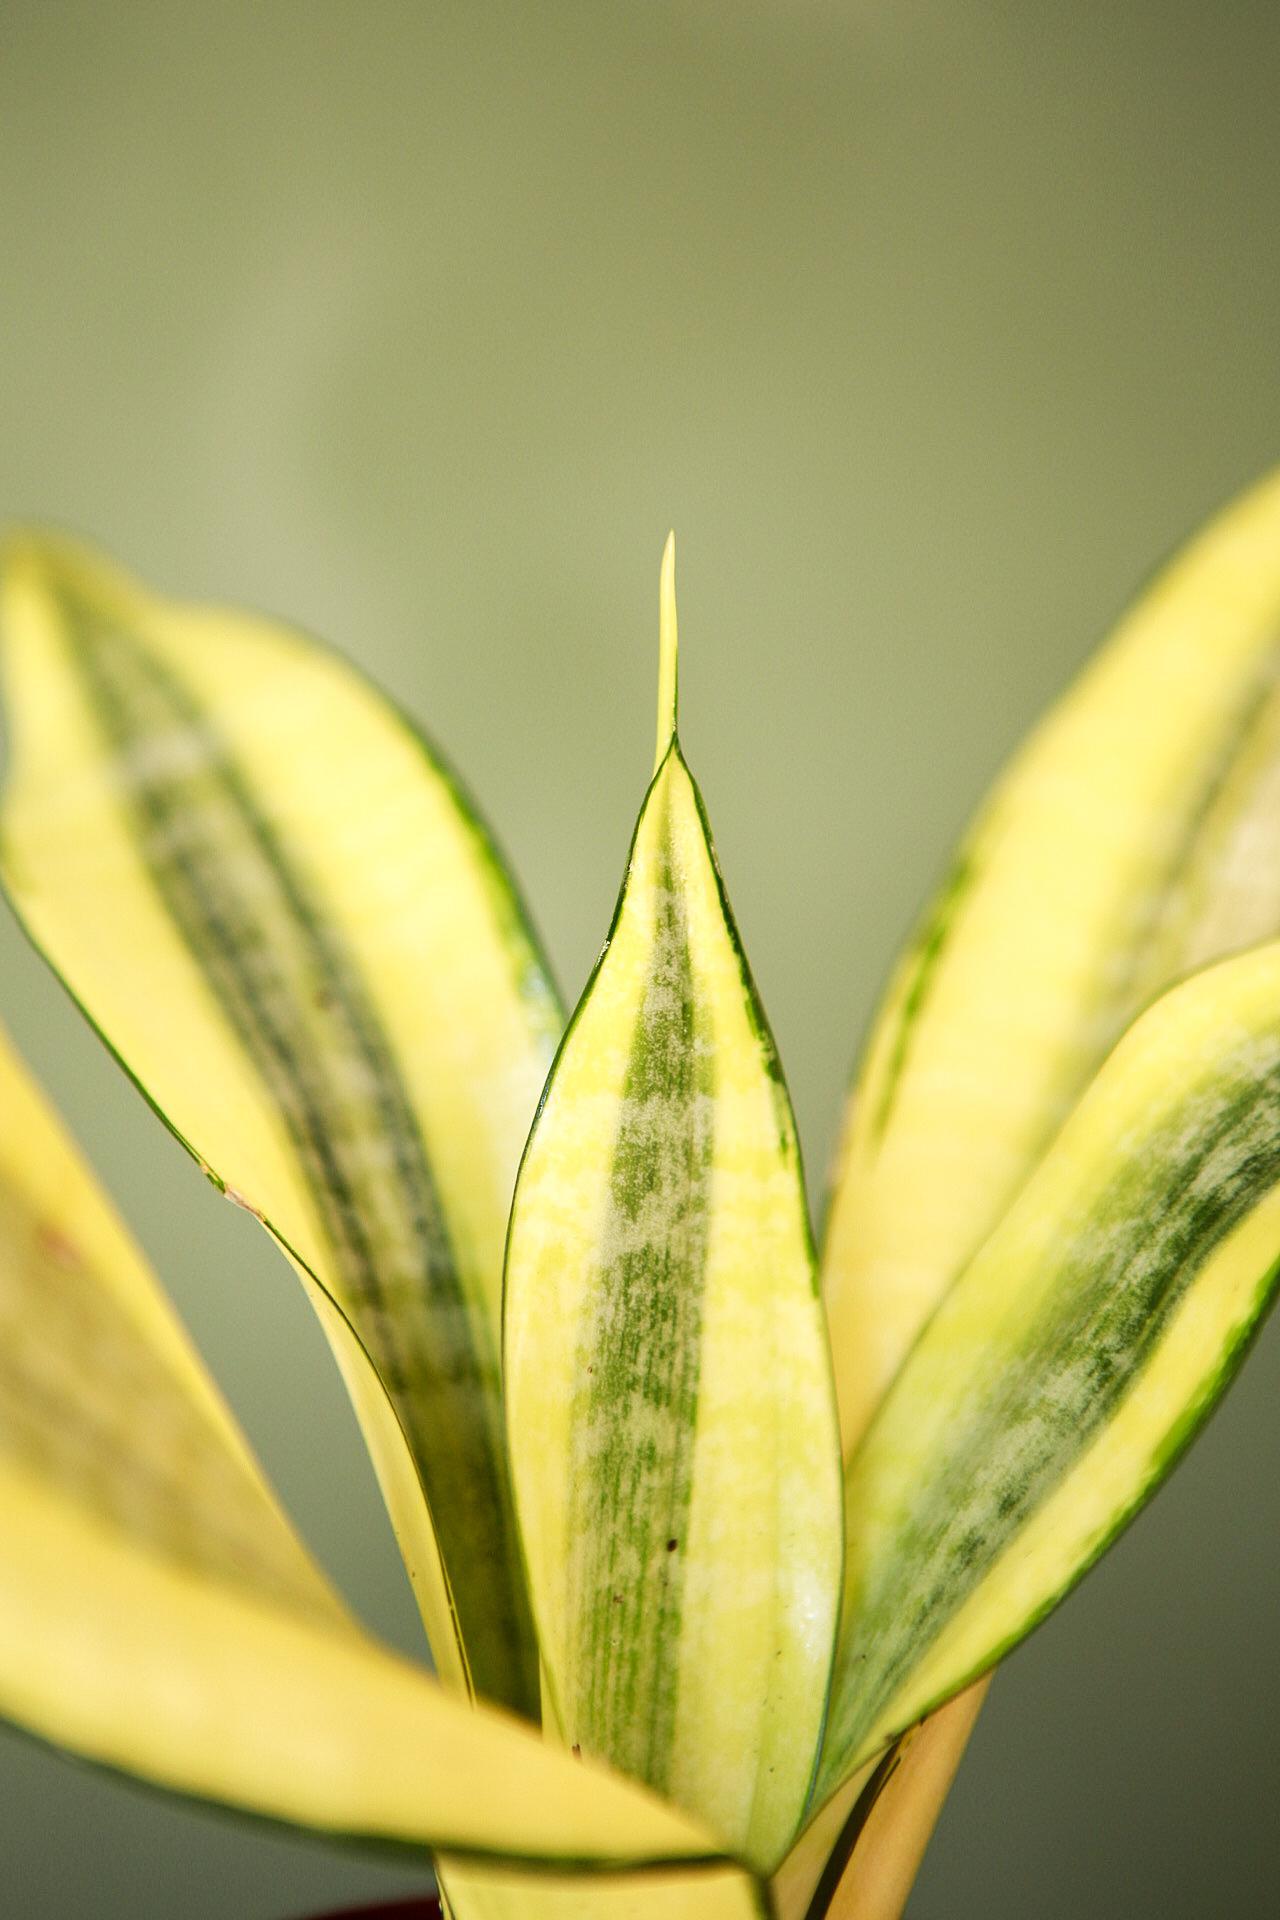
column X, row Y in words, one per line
column 930, row 324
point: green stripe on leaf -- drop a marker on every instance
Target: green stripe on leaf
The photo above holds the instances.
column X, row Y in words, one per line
column 669, row 1403
column 214, row 828
column 294, row 998
column 1072, row 1360
column 632, row 1447
column 1134, row 838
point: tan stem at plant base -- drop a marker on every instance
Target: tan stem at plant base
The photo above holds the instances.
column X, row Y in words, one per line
column 886, row 1860
column 871, row 1854
column 890, row 1849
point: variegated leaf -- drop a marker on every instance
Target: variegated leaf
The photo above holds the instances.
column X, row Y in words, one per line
column 716, row 1892
column 283, row 917
column 668, row 1381
column 1136, row 837
column 1071, row 1363
column 158, row 1615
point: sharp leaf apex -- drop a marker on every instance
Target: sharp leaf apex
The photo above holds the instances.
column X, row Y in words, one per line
column 668, row 650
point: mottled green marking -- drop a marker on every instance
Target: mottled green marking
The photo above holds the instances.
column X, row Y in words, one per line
column 925, row 960
column 1144, row 957
column 631, row 1472
column 292, row 992
column 1020, row 1423
column 90, row 1407
column 1197, row 877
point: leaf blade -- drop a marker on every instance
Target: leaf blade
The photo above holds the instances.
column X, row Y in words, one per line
column 717, row 1892
column 1072, row 1362
column 1132, row 839
column 324, row 986
column 668, row 1385
column 283, row 1718
column 157, row 1613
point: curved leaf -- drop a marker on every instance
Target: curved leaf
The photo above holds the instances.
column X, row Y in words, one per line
column 1135, row 837
column 277, row 908
column 158, row 1615
column 103, row 1400
column 1074, row 1359
column 668, row 1382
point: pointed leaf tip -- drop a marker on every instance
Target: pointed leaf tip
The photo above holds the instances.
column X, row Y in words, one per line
column 668, row 650
column 670, row 1416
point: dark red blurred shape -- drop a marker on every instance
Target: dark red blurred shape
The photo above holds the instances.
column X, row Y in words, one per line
column 423, row 1907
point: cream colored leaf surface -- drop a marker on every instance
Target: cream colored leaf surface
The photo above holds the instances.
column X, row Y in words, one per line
column 158, row 1615
column 1071, row 1362
column 273, row 903
column 719, row 1892
column 669, row 1396
column 141, row 1664
column 102, row 1398
column 1136, row 837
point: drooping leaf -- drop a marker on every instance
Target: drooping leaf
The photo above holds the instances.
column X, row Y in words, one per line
column 283, row 917
column 1073, row 1360
column 668, row 1383
column 102, row 1398
column 158, row 1615
column 1135, row 837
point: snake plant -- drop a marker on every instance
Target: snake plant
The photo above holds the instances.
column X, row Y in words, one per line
column 715, row 1537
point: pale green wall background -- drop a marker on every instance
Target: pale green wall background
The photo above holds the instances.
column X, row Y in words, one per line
column 931, row 325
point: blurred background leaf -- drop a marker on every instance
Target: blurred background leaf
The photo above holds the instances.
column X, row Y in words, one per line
column 931, row 328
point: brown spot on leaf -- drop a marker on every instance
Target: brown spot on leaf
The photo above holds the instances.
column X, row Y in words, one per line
column 239, row 1199
column 55, row 1244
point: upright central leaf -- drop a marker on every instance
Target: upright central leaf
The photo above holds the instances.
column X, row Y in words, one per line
column 668, row 1381
column 631, row 1453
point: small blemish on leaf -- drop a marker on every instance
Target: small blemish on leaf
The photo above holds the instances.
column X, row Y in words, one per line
column 56, row 1245
column 238, row 1199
